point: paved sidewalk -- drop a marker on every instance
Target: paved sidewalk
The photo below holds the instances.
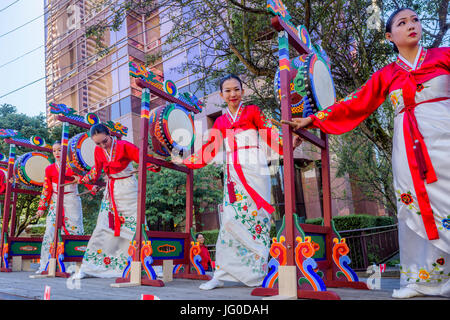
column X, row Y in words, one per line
column 19, row 286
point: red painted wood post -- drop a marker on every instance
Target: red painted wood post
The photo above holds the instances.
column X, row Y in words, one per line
column 7, row 203
column 13, row 215
column 61, row 180
column 189, row 200
column 288, row 159
column 189, row 210
column 326, row 182
column 142, row 175
column 326, row 201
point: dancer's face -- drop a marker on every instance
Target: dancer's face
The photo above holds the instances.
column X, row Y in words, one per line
column 56, row 149
column 201, row 239
column 406, row 30
column 232, row 93
column 102, row 140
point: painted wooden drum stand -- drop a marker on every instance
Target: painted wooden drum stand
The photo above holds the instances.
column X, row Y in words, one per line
column 21, row 248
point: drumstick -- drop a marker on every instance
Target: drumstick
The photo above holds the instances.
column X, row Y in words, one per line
column 276, row 122
column 135, row 171
column 292, row 124
column 89, row 191
column 68, row 183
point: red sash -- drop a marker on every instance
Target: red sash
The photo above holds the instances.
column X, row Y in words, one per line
column 114, row 220
column 418, row 158
column 260, row 201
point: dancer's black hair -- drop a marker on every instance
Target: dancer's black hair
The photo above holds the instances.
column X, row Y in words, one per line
column 228, row 77
column 99, row 128
column 390, row 21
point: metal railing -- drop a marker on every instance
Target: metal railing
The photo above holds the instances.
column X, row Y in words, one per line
column 367, row 246
column 371, row 245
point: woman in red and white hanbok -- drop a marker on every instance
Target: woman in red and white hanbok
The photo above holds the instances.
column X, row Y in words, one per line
column 419, row 90
column 107, row 251
column 243, row 244
column 72, row 212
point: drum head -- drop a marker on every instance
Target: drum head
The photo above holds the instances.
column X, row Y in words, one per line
column 322, row 85
column 34, row 168
column 86, row 152
column 181, row 131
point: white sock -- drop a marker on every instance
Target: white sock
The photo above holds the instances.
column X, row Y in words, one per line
column 405, row 293
column 211, row 284
column 79, row 275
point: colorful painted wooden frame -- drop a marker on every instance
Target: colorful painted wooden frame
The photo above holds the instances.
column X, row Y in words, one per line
column 299, row 244
column 13, row 246
column 89, row 118
column 169, row 87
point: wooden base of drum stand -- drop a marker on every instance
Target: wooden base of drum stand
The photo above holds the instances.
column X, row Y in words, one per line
column 51, row 272
column 272, row 294
column 135, row 279
column 287, row 281
column 346, row 284
column 192, row 276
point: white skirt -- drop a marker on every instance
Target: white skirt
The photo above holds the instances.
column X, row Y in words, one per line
column 106, row 255
column 243, row 244
column 73, row 221
column 425, row 264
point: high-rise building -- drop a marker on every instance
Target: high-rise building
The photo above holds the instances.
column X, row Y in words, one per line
column 80, row 77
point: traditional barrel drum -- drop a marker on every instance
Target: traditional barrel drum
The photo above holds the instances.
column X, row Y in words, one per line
column 311, row 85
column 29, row 168
column 171, row 129
column 80, row 153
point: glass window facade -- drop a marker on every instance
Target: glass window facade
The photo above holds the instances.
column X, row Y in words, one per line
column 88, row 82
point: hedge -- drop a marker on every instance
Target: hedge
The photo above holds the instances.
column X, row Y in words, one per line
column 356, row 221
column 350, row 222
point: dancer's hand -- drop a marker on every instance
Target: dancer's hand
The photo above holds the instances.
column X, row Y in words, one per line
column 77, row 179
column 39, row 214
column 298, row 123
column 153, row 167
column 177, row 160
column 296, row 141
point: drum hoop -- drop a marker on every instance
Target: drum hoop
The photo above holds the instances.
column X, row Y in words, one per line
column 21, row 172
column 72, row 153
column 166, row 134
column 78, row 151
column 313, row 90
column 18, row 171
column 76, row 161
column 159, row 149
